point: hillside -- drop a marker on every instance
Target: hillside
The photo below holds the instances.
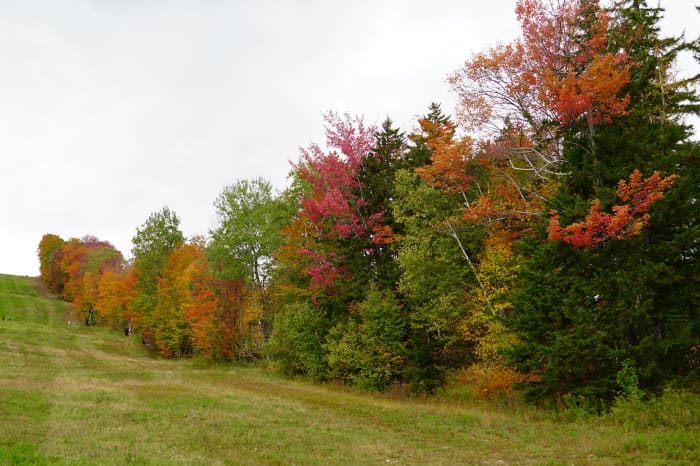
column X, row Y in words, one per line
column 26, row 299
column 76, row 395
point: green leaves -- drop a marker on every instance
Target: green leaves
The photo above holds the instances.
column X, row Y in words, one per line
column 154, row 241
column 369, row 348
column 250, row 218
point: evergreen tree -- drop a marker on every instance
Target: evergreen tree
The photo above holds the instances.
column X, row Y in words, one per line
column 377, row 190
column 434, row 282
column 419, row 153
column 585, row 314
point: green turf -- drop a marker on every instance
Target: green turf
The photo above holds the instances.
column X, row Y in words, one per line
column 76, row 395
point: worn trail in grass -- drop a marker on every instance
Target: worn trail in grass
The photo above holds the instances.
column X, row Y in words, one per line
column 77, row 395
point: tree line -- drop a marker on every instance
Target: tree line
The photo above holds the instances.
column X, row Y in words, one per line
column 545, row 237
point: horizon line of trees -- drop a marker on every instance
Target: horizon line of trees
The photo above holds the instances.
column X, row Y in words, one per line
column 545, row 237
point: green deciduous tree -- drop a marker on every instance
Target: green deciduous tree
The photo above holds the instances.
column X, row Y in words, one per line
column 250, row 217
column 153, row 243
column 297, row 344
column 435, row 279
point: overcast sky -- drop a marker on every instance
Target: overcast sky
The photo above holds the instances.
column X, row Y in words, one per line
column 110, row 110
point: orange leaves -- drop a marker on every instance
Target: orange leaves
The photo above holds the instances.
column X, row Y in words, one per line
column 170, row 327
column 502, row 205
column 520, row 95
column 598, row 226
column 626, row 221
column 382, row 235
column 115, row 298
column 556, row 72
column 641, row 192
column 201, row 313
column 593, row 92
column 495, row 179
column 48, row 247
column 450, row 168
column 195, row 312
column 490, row 381
column 229, row 322
column 73, row 268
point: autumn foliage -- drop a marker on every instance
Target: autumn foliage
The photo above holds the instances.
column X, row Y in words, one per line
column 499, row 249
column 625, row 221
column 115, row 302
column 73, row 268
column 332, row 208
column 558, row 72
column 194, row 313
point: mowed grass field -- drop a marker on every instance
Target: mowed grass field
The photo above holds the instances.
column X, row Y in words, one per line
column 76, row 395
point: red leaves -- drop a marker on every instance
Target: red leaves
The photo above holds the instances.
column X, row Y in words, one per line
column 324, row 271
column 338, row 221
column 333, row 177
column 556, row 72
column 626, row 221
column 332, row 207
column 354, row 140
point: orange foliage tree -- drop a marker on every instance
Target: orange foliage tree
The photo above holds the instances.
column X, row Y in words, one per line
column 229, row 317
column 115, row 305
column 518, row 101
column 73, row 268
column 215, row 312
column 196, row 313
column 201, row 312
column 171, row 331
column 49, row 247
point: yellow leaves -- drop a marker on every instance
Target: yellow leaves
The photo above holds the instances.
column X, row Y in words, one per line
column 172, row 330
column 497, row 270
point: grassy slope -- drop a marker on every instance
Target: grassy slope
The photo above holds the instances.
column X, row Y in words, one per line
column 77, row 395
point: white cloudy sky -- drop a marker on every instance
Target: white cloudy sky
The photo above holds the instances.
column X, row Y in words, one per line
column 110, row 110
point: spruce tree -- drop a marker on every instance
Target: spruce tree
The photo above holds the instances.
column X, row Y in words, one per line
column 584, row 314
